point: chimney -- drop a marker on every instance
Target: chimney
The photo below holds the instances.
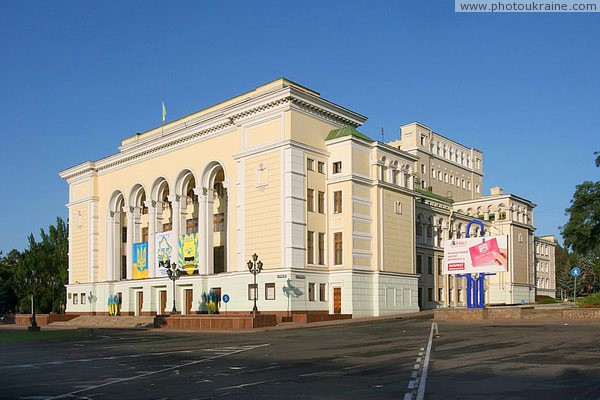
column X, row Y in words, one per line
column 496, row 191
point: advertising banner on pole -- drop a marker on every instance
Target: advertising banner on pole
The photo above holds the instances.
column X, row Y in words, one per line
column 475, row 255
column 165, row 253
column 188, row 253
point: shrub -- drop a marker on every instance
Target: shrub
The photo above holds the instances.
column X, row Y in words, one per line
column 547, row 300
column 593, row 298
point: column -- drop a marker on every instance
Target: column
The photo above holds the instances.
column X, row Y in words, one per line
column 129, row 211
column 210, row 265
column 110, row 246
column 151, row 205
column 202, row 230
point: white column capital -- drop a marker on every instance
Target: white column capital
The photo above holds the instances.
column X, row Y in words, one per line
column 173, row 198
column 150, row 204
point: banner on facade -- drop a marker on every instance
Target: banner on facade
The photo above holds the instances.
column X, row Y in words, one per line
column 188, row 256
column 140, row 260
column 475, row 255
column 165, row 252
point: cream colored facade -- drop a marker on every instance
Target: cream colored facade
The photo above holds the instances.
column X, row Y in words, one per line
column 339, row 221
column 545, row 265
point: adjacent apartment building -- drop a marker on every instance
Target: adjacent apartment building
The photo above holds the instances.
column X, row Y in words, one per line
column 342, row 223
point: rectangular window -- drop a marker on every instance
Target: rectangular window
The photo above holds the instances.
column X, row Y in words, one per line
column 310, row 199
column 310, row 248
column 321, row 254
column 337, row 167
column 440, row 265
column 82, row 298
column 269, row 291
column 322, row 292
column 75, row 298
column 337, row 248
column 440, row 295
column 167, row 227
column 430, row 265
column 419, row 269
column 311, row 292
column 445, row 177
column 433, row 172
column 422, row 168
column 321, row 202
column 191, row 225
column 321, row 167
column 124, row 266
column 429, row 294
column 398, row 207
column 124, row 234
column 145, row 234
column 253, row 291
column 219, row 259
column 219, row 222
column 310, row 164
column 337, row 202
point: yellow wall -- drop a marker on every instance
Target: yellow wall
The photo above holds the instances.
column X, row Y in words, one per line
column 398, row 240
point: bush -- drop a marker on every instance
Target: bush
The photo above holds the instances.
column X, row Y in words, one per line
column 593, row 298
column 547, row 300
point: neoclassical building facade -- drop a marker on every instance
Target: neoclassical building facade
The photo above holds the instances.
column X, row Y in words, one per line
column 342, row 223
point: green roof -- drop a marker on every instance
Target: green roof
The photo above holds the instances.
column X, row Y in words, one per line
column 347, row 131
column 434, row 195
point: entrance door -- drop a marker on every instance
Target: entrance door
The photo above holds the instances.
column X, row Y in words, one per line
column 420, row 298
column 140, row 303
column 163, row 302
column 337, row 300
column 188, row 301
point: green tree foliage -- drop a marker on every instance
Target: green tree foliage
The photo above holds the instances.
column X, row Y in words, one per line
column 8, row 296
column 46, row 260
column 582, row 231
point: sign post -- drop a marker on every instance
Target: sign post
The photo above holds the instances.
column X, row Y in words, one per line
column 225, row 300
column 575, row 271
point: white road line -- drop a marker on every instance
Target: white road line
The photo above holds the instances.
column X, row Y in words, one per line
column 158, row 372
column 243, row 385
column 423, row 380
column 161, row 353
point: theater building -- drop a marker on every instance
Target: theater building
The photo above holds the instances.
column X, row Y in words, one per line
column 342, row 223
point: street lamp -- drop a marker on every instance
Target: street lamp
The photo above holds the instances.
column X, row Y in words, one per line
column 255, row 266
column 174, row 273
column 33, row 280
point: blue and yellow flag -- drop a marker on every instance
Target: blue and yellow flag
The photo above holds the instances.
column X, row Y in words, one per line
column 164, row 111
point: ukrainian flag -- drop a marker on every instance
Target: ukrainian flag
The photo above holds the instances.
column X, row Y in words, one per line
column 164, row 111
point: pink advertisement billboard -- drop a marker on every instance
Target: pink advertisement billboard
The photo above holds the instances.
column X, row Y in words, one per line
column 475, row 255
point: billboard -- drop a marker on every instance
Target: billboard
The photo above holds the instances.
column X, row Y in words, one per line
column 188, row 256
column 165, row 253
column 475, row 255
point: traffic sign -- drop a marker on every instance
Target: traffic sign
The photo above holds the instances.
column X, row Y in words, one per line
column 575, row 271
column 226, row 298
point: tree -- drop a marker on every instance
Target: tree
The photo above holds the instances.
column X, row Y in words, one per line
column 47, row 260
column 8, row 296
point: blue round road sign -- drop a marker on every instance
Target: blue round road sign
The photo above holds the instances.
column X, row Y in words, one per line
column 575, row 271
column 226, row 298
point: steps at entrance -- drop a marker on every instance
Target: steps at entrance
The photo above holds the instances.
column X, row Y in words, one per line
column 105, row 321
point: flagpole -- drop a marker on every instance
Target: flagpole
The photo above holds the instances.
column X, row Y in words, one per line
column 164, row 117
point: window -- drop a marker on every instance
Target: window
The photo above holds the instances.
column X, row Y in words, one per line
column 469, row 185
column 337, row 202
column 311, row 292
column 75, row 298
column 145, row 234
column 423, row 168
column 253, row 291
column 310, row 200
column 430, row 265
column 218, row 222
column 440, row 295
column 463, row 183
column 82, row 298
column 310, row 164
column 269, row 291
column 419, row 260
column 310, row 248
column 398, row 207
column 321, row 254
column 440, row 266
column 452, row 179
column 423, row 137
column 423, row 184
column 337, row 248
column 433, row 172
column 191, row 225
column 419, row 226
column 321, row 167
column 477, row 188
column 167, row 227
column 322, row 292
column 321, row 202
column 445, row 177
column 219, row 259
column 124, row 266
column 337, row 167
column 429, row 294
column 124, row 234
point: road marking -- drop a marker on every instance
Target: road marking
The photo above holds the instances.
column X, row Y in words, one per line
column 423, row 380
column 245, row 348
column 243, row 385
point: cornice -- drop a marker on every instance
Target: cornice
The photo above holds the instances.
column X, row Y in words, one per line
column 82, row 170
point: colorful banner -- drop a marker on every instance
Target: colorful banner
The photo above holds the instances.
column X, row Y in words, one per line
column 188, row 256
column 165, row 253
column 140, row 260
column 475, row 255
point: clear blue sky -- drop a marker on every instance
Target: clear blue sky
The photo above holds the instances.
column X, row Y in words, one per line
column 78, row 76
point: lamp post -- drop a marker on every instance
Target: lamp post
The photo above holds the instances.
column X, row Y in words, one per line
column 33, row 280
column 255, row 266
column 174, row 273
